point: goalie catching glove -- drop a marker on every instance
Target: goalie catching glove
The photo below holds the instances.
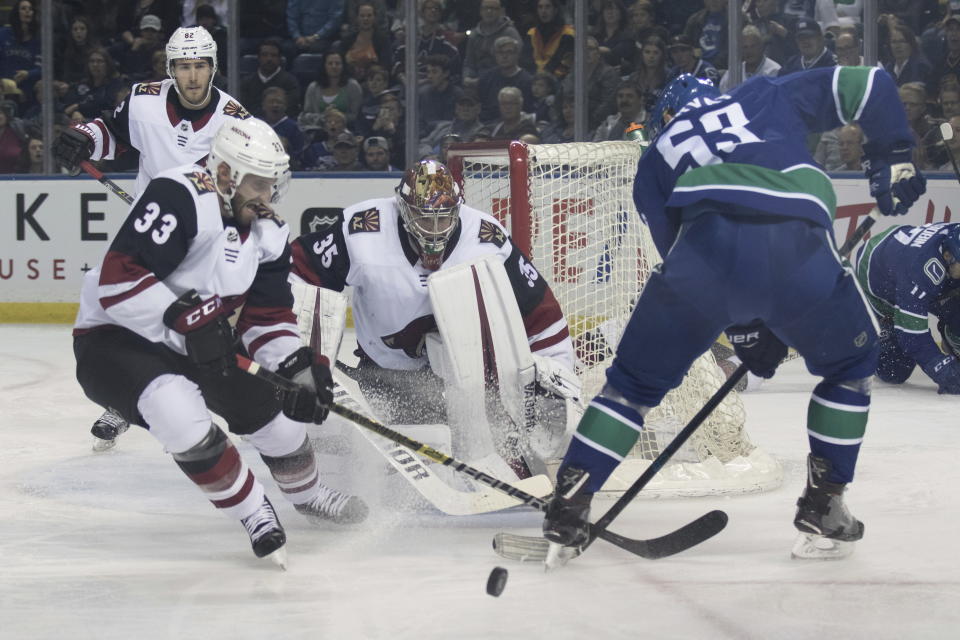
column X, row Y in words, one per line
column 311, row 400
column 895, row 182
column 757, row 347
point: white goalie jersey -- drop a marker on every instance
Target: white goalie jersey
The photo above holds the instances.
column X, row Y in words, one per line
column 370, row 250
column 167, row 134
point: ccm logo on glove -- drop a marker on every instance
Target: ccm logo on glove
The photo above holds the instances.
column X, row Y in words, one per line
column 209, row 308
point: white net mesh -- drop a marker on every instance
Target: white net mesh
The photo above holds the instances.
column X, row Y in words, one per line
column 587, row 239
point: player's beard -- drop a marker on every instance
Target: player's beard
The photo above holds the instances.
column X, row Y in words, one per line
column 246, row 211
column 204, row 92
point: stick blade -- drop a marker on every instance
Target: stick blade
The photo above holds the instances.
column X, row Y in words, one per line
column 946, row 130
column 687, row 536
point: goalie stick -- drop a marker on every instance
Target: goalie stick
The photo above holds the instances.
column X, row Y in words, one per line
column 643, row 548
column 533, row 548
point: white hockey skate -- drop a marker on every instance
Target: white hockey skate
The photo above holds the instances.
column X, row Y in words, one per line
column 330, row 505
column 828, row 530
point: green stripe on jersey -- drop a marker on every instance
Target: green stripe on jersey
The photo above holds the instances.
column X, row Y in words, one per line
column 910, row 322
column 835, row 423
column 851, row 90
column 804, row 182
column 606, row 431
column 881, row 306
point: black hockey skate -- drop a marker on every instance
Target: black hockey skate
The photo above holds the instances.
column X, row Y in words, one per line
column 107, row 429
column 330, row 505
column 266, row 534
column 827, row 528
column 566, row 521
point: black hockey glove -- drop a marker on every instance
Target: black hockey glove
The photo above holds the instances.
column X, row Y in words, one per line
column 208, row 336
column 895, row 182
column 945, row 371
column 757, row 347
column 72, row 147
column 311, row 400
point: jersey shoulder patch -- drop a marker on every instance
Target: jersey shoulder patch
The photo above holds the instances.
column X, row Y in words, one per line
column 147, row 89
column 201, row 181
column 235, row 110
column 365, row 221
column 491, row 234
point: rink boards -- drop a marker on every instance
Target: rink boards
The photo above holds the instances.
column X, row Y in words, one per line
column 55, row 229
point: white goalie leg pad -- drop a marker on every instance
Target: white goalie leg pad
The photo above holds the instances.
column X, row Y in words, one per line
column 321, row 316
column 484, row 334
column 462, row 373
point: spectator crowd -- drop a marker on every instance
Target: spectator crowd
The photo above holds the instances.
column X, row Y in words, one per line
column 329, row 76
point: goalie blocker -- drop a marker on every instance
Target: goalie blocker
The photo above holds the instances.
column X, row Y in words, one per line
column 503, row 397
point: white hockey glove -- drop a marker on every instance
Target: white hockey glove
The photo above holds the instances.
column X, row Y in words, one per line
column 895, row 182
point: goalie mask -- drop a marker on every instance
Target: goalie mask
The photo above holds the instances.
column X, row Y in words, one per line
column 192, row 43
column 677, row 94
column 251, row 147
column 429, row 200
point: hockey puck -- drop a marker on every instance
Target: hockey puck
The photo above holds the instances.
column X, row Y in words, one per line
column 497, row 581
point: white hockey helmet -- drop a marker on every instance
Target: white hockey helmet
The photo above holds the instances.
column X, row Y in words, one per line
column 191, row 43
column 249, row 146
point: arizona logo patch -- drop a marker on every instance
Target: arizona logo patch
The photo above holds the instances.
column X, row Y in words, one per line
column 362, row 221
column 201, row 181
column 235, row 110
column 148, row 89
column 491, row 233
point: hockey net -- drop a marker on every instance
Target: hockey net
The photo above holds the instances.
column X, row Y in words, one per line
column 570, row 208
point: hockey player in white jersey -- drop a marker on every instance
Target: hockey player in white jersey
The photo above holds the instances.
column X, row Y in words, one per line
column 405, row 257
column 153, row 341
column 171, row 123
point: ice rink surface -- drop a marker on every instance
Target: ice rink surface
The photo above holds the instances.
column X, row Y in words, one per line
column 122, row 545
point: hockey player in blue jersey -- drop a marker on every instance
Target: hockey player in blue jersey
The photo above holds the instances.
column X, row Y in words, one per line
column 908, row 272
column 742, row 216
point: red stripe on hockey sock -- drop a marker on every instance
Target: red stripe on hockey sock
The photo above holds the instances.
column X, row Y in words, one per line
column 223, row 474
column 309, row 485
column 239, row 496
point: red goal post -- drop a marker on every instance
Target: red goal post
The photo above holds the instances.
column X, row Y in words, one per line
column 570, row 208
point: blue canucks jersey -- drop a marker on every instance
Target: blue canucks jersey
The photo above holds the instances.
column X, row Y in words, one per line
column 747, row 149
column 904, row 276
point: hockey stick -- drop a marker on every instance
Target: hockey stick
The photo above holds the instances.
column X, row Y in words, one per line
column 643, row 548
column 97, row 175
column 533, row 548
column 946, row 132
